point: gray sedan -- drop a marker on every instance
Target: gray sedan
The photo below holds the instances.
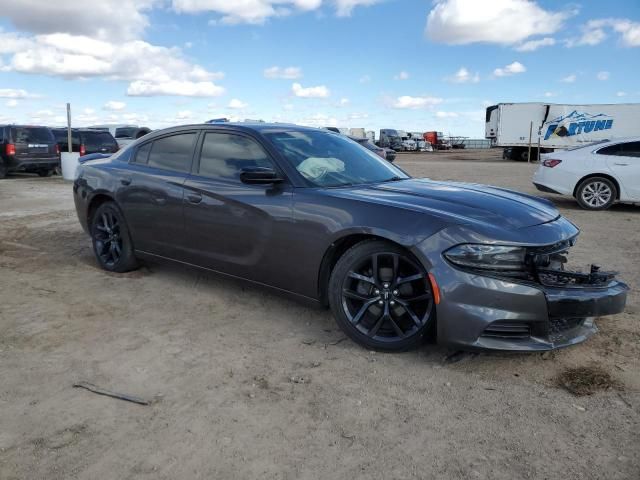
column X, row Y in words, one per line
column 316, row 216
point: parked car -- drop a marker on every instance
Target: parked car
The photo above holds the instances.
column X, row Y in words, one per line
column 86, row 141
column 596, row 175
column 28, row 148
column 124, row 134
column 309, row 212
column 386, row 153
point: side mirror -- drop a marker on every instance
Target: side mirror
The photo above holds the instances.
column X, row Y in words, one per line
column 259, row 176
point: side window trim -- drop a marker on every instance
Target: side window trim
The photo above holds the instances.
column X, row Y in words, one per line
column 195, row 171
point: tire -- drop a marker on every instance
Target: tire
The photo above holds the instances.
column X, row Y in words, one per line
column 596, row 193
column 112, row 243
column 44, row 173
column 3, row 170
column 391, row 310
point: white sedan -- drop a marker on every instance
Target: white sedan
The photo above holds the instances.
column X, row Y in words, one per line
column 597, row 175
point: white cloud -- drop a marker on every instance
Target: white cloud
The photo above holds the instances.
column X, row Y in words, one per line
column 184, row 115
column 414, row 103
column 511, row 69
column 569, row 78
column 603, row 76
column 550, row 94
column 150, row 68
column 446, row 115
column 104, row 19
column 114, row 105
column 594, row 32
column 464, row 76
column 506, row 22
column 288, row 73
column 532, row 45
column 310, row 92
column 14, row 93
column 401, row 76
column 345, row 7
column 237, row 104
column 318, row 120
column 141, row 88
column 365, row 79
column 257, row 12
column 621, row 94
column 343, row 102
column 11, row 103
column 245, row 11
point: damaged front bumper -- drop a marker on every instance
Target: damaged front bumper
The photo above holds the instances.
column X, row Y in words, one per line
column 544, row 308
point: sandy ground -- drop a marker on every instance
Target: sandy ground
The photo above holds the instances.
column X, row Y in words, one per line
column 217, row 359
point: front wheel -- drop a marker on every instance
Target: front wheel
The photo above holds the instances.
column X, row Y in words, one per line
column 381, row 297
column 111, row 241
column 596, row 193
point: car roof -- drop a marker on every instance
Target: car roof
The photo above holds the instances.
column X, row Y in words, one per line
column 242, row 127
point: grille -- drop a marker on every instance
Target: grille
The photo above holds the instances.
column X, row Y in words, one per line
column 502, row 329
column 558, row 327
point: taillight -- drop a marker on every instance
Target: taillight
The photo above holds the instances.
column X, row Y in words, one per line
column 552, row 162
column 57, row 149
column 10, row 149
column 83, row 150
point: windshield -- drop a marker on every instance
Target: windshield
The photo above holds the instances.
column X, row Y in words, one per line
column 328, row 160
column 126, row 132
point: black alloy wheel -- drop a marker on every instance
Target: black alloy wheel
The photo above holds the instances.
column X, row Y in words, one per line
column 111, row 242
column 381, row 297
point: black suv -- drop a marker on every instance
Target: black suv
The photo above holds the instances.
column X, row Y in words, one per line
column 28, row 149
column 86, row 141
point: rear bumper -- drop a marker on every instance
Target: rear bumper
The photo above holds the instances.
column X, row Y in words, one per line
column 545, row 189
column 30, row 164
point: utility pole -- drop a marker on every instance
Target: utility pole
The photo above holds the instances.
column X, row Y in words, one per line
column 69, row 144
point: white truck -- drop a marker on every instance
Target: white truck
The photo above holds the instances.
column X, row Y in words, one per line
column 557, row 126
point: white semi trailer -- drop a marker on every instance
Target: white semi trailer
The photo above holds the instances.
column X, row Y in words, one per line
column 557, row 126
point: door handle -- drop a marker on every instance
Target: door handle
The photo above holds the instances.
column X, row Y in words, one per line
column 125, row 181
column 622, row 164
column 194, row 198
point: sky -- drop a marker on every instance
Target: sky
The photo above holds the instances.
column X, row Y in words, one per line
column 405, row 64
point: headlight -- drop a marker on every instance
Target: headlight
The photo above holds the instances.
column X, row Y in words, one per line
column 490, row 257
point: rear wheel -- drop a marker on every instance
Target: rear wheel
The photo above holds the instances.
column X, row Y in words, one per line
column 111, row 241
column 596, row 193
column 3, row 170
column 45, row 173
column 381, row 298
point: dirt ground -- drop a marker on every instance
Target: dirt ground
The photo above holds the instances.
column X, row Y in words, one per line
column 247, row 384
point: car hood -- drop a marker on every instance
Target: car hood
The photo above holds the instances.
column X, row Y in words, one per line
column 461, row 202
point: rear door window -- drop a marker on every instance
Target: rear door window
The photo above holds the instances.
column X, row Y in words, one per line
column 174, row 152
column 32, row 135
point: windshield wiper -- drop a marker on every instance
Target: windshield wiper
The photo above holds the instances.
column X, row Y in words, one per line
column 393, row 179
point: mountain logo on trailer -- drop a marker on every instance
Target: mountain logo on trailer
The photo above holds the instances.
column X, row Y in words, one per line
column 577, row 123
